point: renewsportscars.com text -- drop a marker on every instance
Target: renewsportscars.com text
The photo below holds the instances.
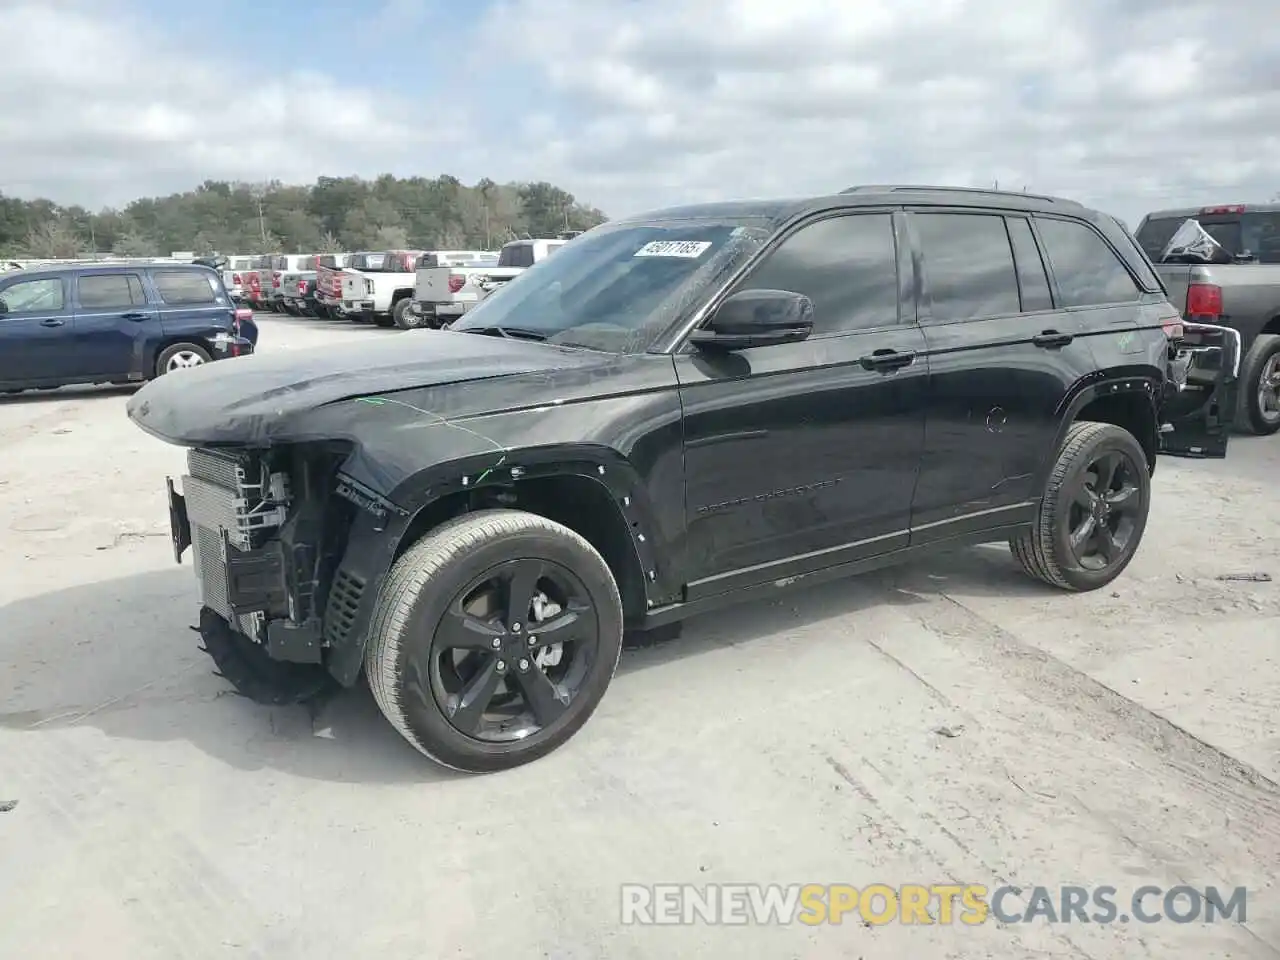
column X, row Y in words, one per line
column 939, row 903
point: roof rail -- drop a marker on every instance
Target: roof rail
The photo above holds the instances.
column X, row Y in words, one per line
column 988, row 191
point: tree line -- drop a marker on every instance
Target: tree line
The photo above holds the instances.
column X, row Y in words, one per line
column 332, row 215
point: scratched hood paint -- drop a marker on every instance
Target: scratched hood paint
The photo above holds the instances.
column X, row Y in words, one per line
column 268, row 396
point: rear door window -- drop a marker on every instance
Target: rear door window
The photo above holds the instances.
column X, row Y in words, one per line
column 184, row 288
column 968, row 265
column 1088, row 271
column 104, row 291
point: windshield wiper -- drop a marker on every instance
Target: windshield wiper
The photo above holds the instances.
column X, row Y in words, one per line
column 511, row 333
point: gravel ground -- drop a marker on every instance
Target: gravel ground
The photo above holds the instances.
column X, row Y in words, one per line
column 947, row 721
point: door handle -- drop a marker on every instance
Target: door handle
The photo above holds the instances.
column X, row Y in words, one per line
column 887, row 359
column 1052, row 338
column 133, row 316
column 52, row 322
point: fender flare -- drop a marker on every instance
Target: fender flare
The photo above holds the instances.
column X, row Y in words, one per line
column 1142, row 382
column 384, row 525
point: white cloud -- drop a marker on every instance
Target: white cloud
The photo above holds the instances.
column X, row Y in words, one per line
column 100, row 109
column 1127, row 104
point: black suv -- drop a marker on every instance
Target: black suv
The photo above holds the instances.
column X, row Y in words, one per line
column 679, row 411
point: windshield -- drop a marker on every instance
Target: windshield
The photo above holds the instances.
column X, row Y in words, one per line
column 618, row 286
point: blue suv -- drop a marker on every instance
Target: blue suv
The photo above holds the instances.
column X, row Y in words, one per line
column 79, row 324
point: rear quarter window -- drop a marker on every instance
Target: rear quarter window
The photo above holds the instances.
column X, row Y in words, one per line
column 1088, row 271
column 185, row 287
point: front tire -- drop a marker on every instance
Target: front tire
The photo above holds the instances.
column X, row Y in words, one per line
column 1259, row 387
column 494, row 639
column 1093, row 512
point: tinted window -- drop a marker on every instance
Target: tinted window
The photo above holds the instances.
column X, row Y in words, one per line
column 516, row 255
column 1087, row 270
column 968, row 265
column 184, row 287
column 1154, row 235
column 32, row 295
column 1262, row 236
column 1031, row 274
column 848, row 267
column 110, row 290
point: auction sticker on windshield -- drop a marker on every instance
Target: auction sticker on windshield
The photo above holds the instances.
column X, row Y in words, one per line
column 688, row 249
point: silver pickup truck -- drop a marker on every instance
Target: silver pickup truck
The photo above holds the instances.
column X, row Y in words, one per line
column 1225, row 269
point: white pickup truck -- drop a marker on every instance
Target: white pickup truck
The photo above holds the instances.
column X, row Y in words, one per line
column 444, row 293
column 380, row 288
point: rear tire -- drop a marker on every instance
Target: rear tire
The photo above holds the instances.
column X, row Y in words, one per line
column 1090, row 522
column 403, row 318
column 1259, row 378
column 434, row 699
column 180, row 355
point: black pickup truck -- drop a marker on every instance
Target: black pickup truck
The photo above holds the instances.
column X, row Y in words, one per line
column 1239, row 288
column 679, row 411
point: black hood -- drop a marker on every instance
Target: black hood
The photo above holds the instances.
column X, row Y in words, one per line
column 256, row 397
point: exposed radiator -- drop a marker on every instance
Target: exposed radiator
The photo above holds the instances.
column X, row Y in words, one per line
column 226, row 494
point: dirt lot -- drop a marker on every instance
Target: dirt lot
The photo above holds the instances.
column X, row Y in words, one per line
column 948, row 721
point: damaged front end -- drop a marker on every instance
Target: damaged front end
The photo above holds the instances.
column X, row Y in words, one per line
column 267, row 530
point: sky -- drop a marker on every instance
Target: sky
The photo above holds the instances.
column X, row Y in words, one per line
column 1126, row 105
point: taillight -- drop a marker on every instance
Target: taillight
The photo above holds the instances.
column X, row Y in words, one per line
column 235, row 278
column 275, row 279
column 1203, row 300
column 456, row 282
column 302, row 287
column 1229, row 208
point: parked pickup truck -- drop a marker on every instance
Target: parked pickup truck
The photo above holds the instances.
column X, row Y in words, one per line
column 447, row 292
column 329, row 269
column 413, row 317
column 233, row 276
column 299, row 293
column 257, row 282
column 1225, row 270
column 280, row 265
column 380, row 290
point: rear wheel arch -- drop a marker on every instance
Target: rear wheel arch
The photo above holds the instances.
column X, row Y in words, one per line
column 1126, row 402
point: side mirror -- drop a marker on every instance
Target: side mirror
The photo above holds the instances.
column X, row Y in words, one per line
column 756, row 318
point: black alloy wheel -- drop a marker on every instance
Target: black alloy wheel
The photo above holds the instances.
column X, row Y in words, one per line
column 1106, row 511
column 1093, row 511
column 512, row 650
column 493, row 639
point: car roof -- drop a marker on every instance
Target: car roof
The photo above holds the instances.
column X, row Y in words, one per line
column 1197, row 211
column 779, row 211
column 90, row 269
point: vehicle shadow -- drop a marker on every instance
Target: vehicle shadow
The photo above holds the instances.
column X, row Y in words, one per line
column 120, row 656
column 69, row 393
